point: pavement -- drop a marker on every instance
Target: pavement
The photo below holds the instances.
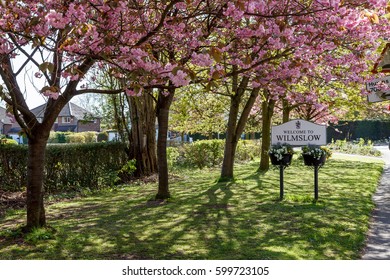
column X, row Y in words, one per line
column 378, row 239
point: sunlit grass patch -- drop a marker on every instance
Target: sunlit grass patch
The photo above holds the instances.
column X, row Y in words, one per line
column 211, row 219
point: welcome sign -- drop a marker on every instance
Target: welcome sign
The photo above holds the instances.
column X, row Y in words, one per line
column 299, row 133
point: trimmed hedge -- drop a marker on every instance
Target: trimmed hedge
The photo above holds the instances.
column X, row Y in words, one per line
column 73, row 137
column 366, row 129
column 68, row 167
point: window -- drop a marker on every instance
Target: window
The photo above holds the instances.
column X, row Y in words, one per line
column 66, row 119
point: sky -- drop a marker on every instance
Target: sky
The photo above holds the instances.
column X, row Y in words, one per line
column 30, row 84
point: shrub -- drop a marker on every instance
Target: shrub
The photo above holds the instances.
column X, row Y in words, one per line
column 173, row 155
column 75, row 138
column 13, row 167
column 359, row 147
column 67, row 167
column 6, row 141
column 102, row 136
column 58, row 137
column 89, row 136
column 209, row 153
column 247, row 150
column 127, row 171
column 204, row 153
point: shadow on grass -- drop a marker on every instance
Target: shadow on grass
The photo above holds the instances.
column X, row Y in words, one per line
column 240, row 219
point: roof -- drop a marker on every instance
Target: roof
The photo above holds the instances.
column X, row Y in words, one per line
column 69, row 110
column 3, row 116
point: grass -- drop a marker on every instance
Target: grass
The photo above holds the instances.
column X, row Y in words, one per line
column 207, row 219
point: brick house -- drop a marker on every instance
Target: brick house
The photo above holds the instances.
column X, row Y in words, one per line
column 5, row 123
column 72, row 118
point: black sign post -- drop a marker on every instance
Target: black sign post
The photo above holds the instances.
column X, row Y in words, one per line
column 281, row 171
column 316, row 182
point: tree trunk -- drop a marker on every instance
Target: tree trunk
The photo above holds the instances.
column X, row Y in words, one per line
column 143, row 135
column 286, row 111
column 267, row 112
column 234, row 130
column 163, row 105
column 231, row 140
column 35, row 178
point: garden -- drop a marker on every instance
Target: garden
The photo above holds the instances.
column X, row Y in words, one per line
column 205, row 218
column 164, row 72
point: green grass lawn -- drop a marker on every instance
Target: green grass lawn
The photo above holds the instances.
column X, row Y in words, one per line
column 204, row 219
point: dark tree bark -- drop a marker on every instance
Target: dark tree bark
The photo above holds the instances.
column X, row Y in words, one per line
column 35, row 178
column 143, row 134
column 163, row 104
column 235, row 127
column 267, row 106
column 286, row 110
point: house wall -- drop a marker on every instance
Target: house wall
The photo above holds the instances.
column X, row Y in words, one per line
column 72, row 122
column 88, row 126
column 6, row 128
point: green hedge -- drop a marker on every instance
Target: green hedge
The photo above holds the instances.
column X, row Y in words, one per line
column 68, row 167
column 353, row 130
column 73, row 137
column 209, row 153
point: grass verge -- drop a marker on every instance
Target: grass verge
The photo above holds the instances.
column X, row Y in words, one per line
column 207, row 219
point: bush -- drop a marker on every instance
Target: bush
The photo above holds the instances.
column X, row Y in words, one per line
column 58, row 137
column 13, row 167
column 67, row 167
column 209, row 153
column 6, row 141
column 204, row 153
column 89, row 136
column 358, row 147
column 102, row 136
column 172, row 157
column 75, row 138
column 247, row 150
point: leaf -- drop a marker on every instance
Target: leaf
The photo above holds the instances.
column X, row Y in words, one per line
column 175, row 70
column 45, row 88
column 216, row 75
column 375, row 18
column 216, row 54
column 241, row 5
column 191, row 74
column 67, row 42
column 36, row 42
column 46, row 66
column 247, row 60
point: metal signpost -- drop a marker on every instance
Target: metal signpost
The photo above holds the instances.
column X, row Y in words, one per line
column 299, row 133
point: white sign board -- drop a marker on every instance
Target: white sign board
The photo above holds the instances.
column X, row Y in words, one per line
column 375, row 94
column 299, row 133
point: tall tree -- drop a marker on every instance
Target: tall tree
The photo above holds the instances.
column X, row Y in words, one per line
column 261, row 43
column 63, row 41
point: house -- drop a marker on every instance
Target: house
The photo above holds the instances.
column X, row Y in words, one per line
column 5, row 122
column 72, row 118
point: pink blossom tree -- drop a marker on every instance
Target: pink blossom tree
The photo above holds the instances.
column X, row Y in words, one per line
column 64, row 41
column 263, row 45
